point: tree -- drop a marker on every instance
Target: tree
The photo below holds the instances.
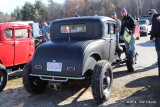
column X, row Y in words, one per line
column 40, row 9
column 28, row 12
column 72, row 7
column 17, row 14
column 37, row 16
column 54, row 11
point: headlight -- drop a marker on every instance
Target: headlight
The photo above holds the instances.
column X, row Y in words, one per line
column 143, row 28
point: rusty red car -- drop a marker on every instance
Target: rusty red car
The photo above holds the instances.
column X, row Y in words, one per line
column 17, row 48
column 137, row 32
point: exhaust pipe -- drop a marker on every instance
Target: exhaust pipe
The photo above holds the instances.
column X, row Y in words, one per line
column 55, row 86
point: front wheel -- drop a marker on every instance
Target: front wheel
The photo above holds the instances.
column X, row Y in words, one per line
column 102, row 79
column 3, row 77
column 32, row 84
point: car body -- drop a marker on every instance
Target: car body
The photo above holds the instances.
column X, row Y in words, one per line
column 17, row 48
column 137, row 32
column 74, row 48
column 80, row 47
column 16, row 44
column 145, row 26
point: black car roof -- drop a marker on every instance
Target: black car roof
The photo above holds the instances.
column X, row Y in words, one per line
column 101, row 18
column 95, row 27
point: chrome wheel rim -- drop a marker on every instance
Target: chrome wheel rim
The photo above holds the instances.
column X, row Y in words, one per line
column 106, row 82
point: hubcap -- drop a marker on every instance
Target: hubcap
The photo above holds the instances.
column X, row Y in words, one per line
column 1, row 78
column 106, row 81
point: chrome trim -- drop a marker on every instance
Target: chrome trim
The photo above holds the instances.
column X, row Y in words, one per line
column 58, row 78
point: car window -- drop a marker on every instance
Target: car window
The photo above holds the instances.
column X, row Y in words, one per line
column 106, row 28
column 75, row 28
column 8, row 33
column 21, row 33
column 112, row 28
column 142, row 22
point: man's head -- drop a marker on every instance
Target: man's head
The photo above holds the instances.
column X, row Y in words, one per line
column 124, row 12
column 152, row 12
column 45, row 24
column 114, row 15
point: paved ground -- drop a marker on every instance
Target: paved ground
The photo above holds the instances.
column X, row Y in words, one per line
column 140, row 88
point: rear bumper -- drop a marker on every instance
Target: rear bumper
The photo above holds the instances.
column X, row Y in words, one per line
column 56, row 78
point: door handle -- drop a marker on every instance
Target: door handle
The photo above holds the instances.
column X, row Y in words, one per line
column 15, row 43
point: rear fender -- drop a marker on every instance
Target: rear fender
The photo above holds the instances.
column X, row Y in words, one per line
column 90, row 63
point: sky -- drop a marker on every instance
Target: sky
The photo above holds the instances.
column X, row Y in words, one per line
column 7, row 6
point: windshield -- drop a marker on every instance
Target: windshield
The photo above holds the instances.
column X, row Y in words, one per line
column 142, row 22
column 75, row 28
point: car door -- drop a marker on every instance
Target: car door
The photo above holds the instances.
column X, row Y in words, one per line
column 7, row 46
column 107, row 41
column 22, row 45
column 112, row 33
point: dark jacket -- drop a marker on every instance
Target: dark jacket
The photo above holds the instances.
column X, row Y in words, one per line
column 127, row 22
column 155, row 30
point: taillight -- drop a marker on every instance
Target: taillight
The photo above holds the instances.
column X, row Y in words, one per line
column 71, row 68
column 38, row 66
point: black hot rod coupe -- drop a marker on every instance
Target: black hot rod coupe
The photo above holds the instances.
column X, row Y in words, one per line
column 79, row 46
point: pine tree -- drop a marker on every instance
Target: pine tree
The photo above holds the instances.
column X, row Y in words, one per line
column 28, row 12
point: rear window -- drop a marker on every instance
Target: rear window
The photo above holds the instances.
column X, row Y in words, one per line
column 75, row 28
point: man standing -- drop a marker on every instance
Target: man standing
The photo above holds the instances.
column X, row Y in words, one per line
column 155, row 32
column 46, row 31
column 128, row 23
column 118, row 23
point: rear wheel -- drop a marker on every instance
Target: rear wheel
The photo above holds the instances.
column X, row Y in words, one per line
column 3, row 77
column 102, row 79
column 32, row 84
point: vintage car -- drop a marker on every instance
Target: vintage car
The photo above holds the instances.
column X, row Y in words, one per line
column 17, row 48
column 79, row 47
column 145, row 27
column 137, row 32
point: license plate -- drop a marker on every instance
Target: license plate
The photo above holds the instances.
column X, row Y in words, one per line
column 52, row 66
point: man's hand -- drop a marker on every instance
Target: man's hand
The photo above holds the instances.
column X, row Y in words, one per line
column 152, row 41
column 121, row 37
column 130, row 32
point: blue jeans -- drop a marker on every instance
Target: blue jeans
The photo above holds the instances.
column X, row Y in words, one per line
column 157, row 45
column 131, row 47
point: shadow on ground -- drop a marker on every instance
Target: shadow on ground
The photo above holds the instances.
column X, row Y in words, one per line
column 147, row 97
column 123, row 73
column 58, row 98
column 146, row 44
column 69, row 96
